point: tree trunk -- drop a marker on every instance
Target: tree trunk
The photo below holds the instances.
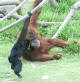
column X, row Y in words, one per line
column 9, row 2
column 53, row 3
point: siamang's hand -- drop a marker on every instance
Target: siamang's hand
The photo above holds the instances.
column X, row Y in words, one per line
column 18, row 68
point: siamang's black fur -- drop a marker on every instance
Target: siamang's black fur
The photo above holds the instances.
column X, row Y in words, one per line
column 18, row 49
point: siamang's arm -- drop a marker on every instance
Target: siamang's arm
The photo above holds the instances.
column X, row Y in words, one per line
column 24, row 29
column 19, row 46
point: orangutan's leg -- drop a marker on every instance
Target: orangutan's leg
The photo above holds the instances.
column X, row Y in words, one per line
column 58, row 42
column 46, row 57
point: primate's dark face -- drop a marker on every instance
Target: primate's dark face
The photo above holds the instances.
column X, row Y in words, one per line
column 34, row 41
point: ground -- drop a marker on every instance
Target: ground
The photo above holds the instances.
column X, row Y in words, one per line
column 67, row 69
column 64, row 70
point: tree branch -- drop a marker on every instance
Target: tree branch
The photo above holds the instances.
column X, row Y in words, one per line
column 16, row 16
column 68, row 18
column 43, row 23
column 24, row 17
column 9, row 2
column 54, row 3
column 9, row 14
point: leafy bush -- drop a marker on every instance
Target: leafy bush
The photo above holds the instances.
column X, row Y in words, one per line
column 49, row 13
column 73, row 47
column 10, row 34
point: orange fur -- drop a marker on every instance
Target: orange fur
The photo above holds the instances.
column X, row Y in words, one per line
column 41, row 53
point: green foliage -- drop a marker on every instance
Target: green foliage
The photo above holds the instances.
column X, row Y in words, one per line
column 10, row 34
column 48, row 13
column 73, row 48
column 47, row 32
column 67, row 68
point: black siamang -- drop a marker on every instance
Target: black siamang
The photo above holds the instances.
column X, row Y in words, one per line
column 19, row 47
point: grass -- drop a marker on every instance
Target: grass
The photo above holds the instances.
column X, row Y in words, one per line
column 63, row 70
